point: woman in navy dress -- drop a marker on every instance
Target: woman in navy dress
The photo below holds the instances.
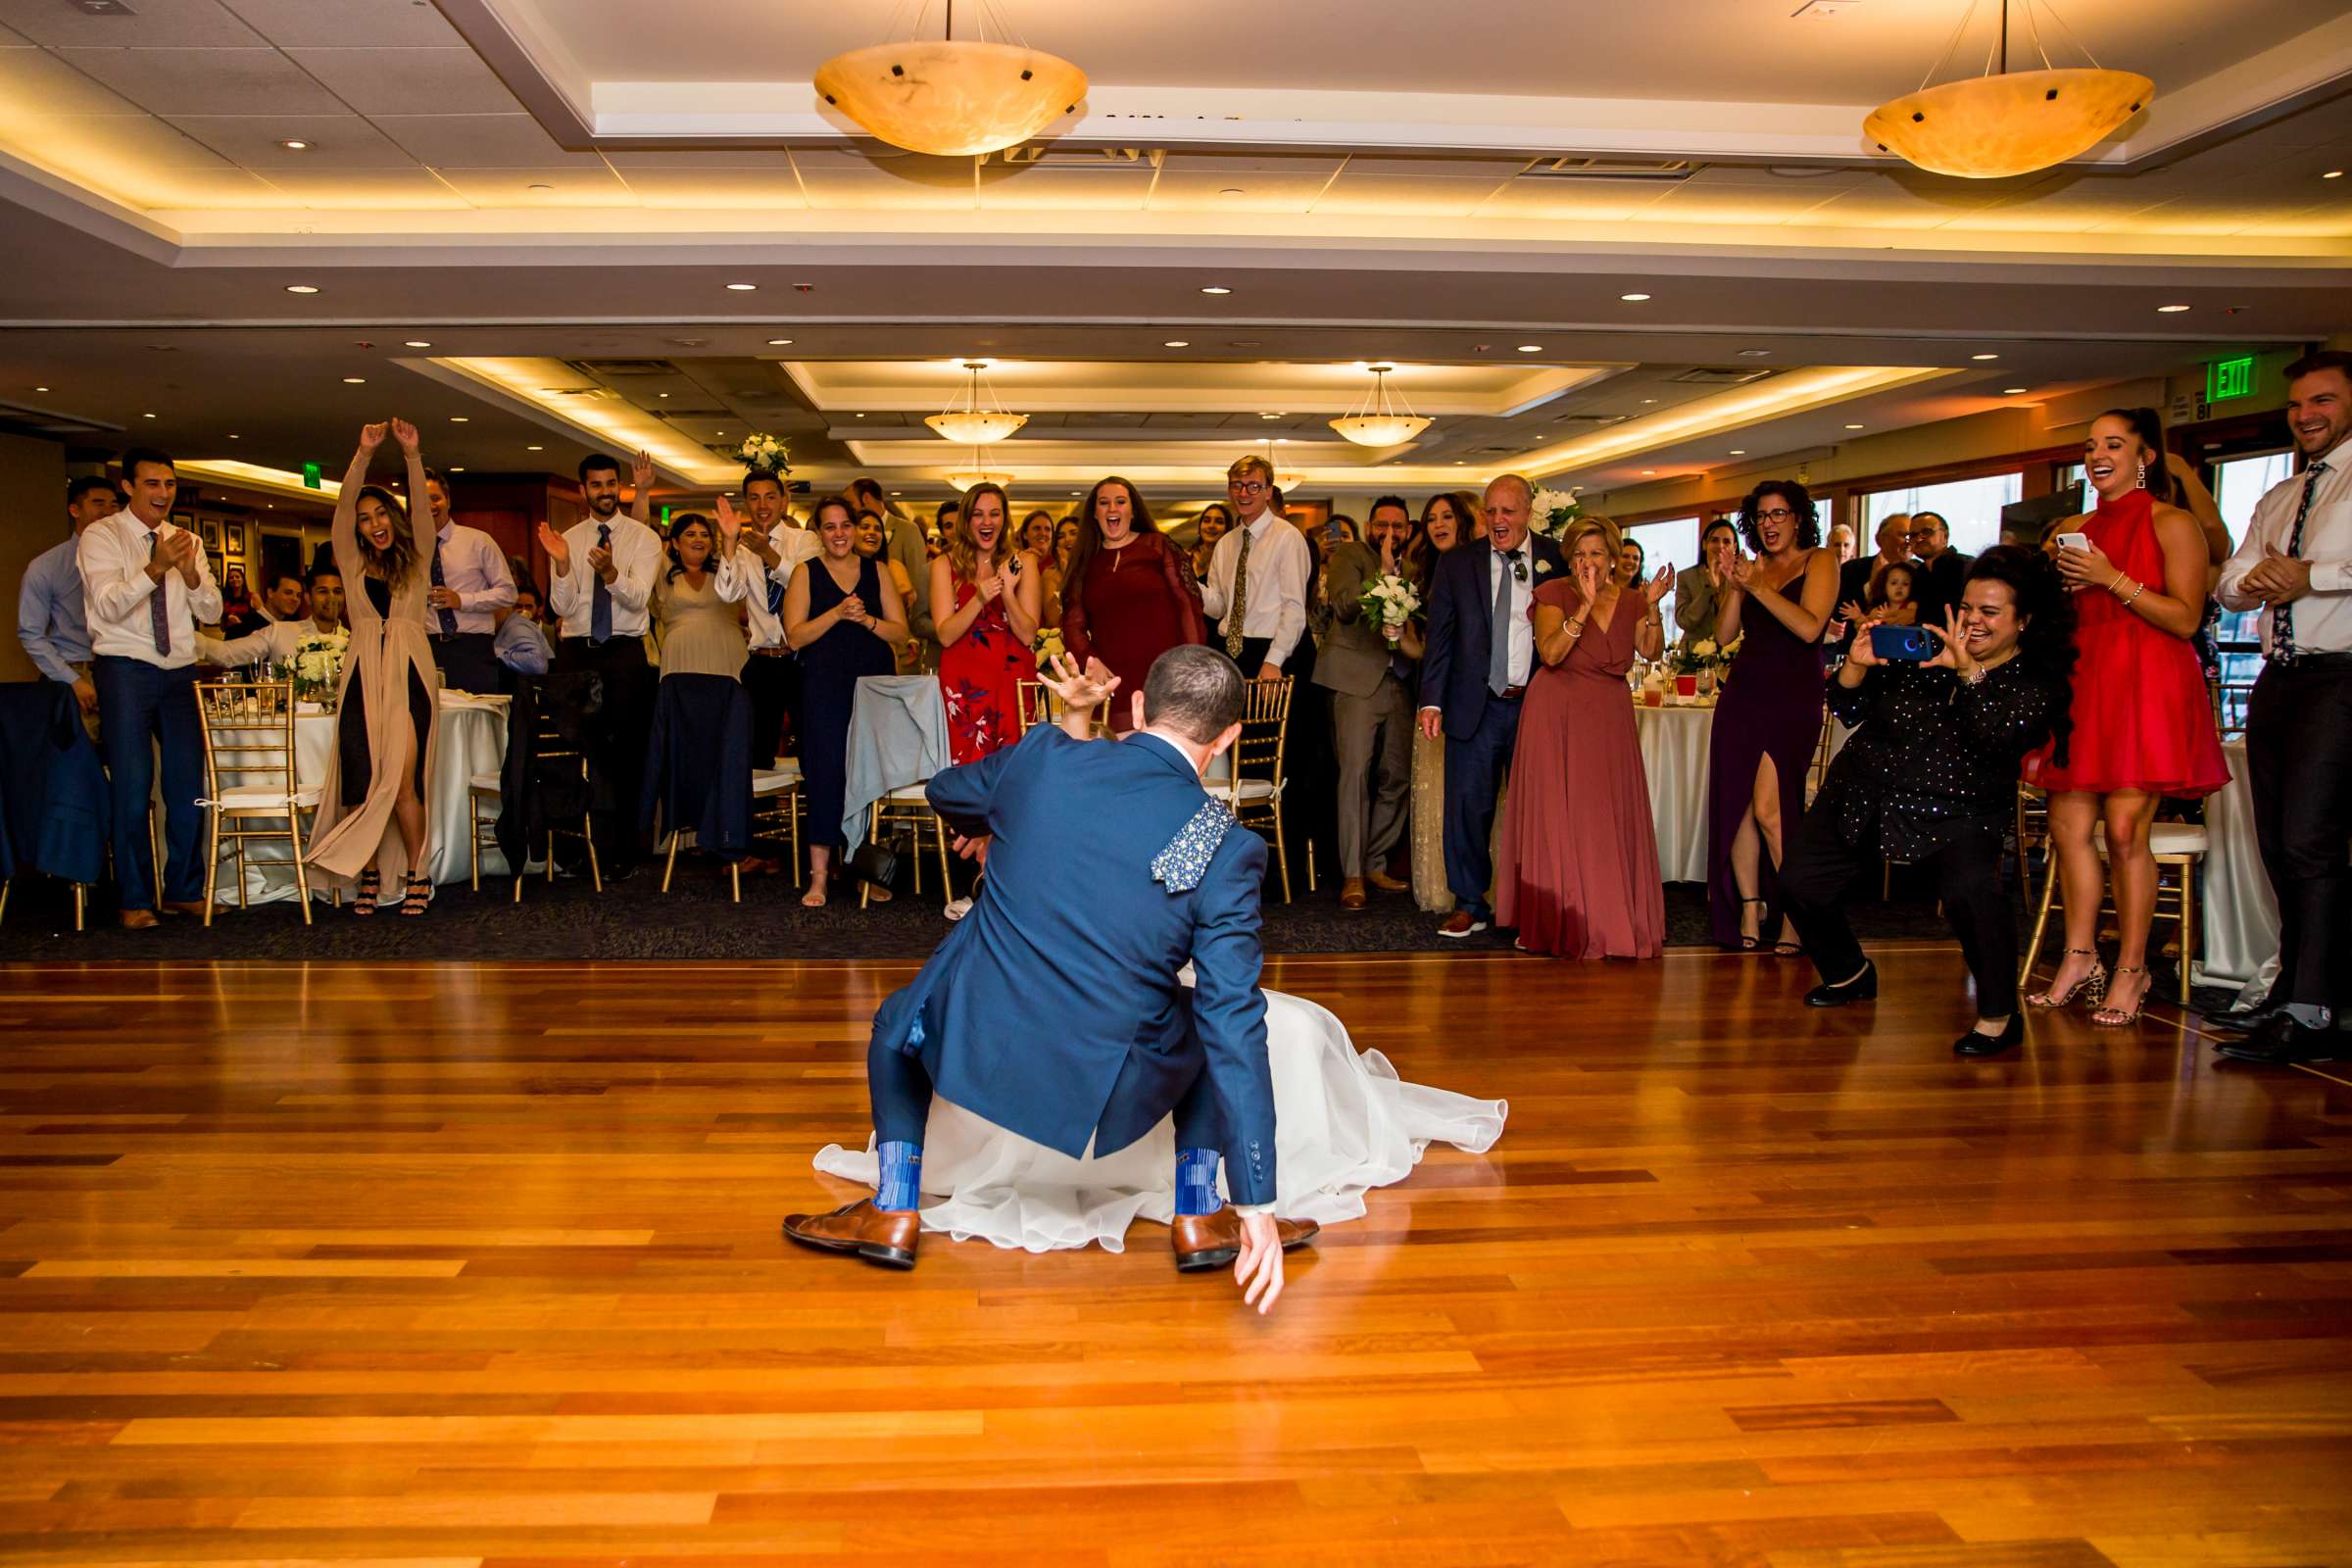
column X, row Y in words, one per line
column 844, row 617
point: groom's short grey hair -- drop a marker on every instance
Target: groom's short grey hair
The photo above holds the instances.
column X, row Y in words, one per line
column 1194, row 691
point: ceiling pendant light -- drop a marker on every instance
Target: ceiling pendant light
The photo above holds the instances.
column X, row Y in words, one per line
column 2004, row 122
column 978, row 474
column 952, row 97
column 976, row 423
column 1284, row 482
column 1381, row 425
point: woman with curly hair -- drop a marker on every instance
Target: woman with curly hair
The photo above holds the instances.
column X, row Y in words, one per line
column 1768, row 721
column 372, row 804
column 1929, row 777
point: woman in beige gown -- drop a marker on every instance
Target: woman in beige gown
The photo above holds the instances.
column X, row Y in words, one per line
column 372, row 817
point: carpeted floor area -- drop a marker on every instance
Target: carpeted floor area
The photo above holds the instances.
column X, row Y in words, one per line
column 635, row 919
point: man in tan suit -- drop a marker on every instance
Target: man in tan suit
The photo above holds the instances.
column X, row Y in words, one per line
column 1371, row 711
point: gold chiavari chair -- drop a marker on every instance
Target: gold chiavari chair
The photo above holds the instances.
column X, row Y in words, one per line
column 1252, row 780
column 2177, row 847
column 547, row 746
column 777, row 801
column 249, row 776
column 912, row 805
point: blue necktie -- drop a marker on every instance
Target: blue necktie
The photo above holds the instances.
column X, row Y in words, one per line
column 158, row 603
column 775, row 597
column 449, row 618
column 600, row 598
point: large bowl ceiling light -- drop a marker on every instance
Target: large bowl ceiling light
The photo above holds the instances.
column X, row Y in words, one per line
column 977, row 422
column 1376, row 423
column 978, row 474
column 2004, row 123
column 952, row 97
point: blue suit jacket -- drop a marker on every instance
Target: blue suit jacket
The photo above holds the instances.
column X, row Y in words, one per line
column 1053, row 1009
column 1461, row 629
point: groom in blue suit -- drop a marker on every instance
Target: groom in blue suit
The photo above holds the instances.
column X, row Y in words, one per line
column 1054, row 1011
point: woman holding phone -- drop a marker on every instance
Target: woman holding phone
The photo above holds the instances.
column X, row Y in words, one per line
column 1929, row 777
column 2144, row 725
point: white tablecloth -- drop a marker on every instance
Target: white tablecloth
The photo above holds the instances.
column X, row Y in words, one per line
column 2241, row 917
column 1675, row 747
column 472, row 739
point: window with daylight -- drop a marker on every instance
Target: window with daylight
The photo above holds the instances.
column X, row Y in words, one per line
column 1671, row 539
column 2237, row 483
column 1970, row 507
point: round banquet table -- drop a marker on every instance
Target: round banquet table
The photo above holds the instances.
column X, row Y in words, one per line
column 472, row 739
column 2241, row 917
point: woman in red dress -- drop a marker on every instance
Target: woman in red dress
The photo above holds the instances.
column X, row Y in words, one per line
column 1579, row 869
column 1129, row 595
column 2142, row 723
column 984, row 603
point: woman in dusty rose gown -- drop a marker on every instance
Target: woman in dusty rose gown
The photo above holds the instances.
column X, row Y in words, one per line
column 1579, row 869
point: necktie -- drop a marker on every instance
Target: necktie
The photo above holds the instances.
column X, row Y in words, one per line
column 1240, row 609
column 2282, row 618
column 600, row 596
column 775, row 597
column 158, row 603
column 449, row 618
column 1498, row 655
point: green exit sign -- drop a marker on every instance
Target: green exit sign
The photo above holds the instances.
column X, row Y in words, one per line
column 311, row 478
column 2229, row 378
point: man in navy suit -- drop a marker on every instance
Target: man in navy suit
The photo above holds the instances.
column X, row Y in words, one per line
column 1482, row 654
column 1055, row 1008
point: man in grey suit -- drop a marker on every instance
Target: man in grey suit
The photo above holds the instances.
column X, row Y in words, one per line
column 1371, row 713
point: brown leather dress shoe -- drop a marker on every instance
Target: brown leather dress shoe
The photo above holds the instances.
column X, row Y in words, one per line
column 1387, row 883
column 1213, row 1240
column 140, row 921
column 1352, row 894
column 879, row 1236
column 194, row 907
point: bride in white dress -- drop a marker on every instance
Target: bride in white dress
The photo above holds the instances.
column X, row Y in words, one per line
column 1344, row 1123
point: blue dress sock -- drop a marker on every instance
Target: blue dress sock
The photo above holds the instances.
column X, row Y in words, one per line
column 1197, row 1182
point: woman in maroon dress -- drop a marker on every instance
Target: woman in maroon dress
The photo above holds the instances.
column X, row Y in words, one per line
column 1129, row 595
column 984, row 603
column 2142, row 722
column 1579, row 873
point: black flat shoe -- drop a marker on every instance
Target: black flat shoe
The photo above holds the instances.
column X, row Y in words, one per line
column 1977, row 1043
column 2247, row 1022
column 1863, row 986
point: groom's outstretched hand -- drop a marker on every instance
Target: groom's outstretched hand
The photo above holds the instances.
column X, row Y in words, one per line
column 1258, row 1270
column 973, row 849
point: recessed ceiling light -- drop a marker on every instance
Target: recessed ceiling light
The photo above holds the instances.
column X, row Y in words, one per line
column 534, row 449
column 1738, row 451
column 40, row 389
column 295, row 145
column 741, row 288
column 1755, row 354
column 456, row 468
column 355, row 380
column 2012, row 391
column 661, row 394
column 235, row 437
column 1461, row 463
column 1632, row 298
column 1530, row 348
column 302, row 288
column 2334, row 174
column 1853, row 427
column 1177, row 343
column 1649, row 400
column 1280, row 440
column 539, row 187
column 1219, row 288
column 146, row 416
column 2169, row 309
column 861, row 415
column 1983, row 355
column 898, row 492
column 778, row 342
column 418, row 343
column 458, row 419
column 1646, row 473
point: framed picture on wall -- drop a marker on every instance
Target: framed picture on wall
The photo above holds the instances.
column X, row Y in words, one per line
column 232, row 538
column 210, row 528
column 220, row 567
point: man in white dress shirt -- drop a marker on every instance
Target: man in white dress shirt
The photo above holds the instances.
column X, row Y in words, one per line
column 1256, row 595
column 471, row 584
column 277, row 641
column 2296, row 564
column 604, row 570
column 759, row 551
column 145, row 586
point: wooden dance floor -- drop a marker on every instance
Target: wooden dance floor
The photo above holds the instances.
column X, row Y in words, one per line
column 468, row 1263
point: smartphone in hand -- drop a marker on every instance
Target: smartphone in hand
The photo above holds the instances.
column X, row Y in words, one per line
column 1901, row 645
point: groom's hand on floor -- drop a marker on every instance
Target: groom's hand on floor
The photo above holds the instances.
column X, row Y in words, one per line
column 1258, row 1270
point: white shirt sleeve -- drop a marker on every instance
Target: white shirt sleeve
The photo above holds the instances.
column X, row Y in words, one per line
column 1292, row 565
column 1213, row 592
column 567, row 590
column 2244, row 558
column 637, row 557
column 114, row 584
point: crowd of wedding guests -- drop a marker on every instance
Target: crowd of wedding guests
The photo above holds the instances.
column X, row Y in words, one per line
column 2066, row 661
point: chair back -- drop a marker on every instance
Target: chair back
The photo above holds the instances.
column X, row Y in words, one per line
column 248, row 735
column 1259, row 753
column 1034, row 707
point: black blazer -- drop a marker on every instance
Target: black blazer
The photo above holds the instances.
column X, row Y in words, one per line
column 1461, row 629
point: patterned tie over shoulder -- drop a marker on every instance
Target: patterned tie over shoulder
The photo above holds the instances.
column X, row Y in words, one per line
column 1183, row 862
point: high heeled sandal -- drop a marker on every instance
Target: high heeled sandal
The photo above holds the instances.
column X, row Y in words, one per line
column 2093, row 982
column 1748, row 944
column 420, row 897
column 370, row 888
column 2110, row 1017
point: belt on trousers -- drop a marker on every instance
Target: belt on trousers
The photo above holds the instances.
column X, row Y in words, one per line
column 769, row 652
column 1510, row 694
column 2330, row 660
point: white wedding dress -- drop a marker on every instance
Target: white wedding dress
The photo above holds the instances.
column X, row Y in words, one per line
column 1344, row 1123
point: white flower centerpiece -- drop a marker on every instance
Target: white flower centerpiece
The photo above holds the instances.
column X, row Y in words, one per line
column 1552, row 513
column 762, row 453
column 1391, row 600
column 317, row 668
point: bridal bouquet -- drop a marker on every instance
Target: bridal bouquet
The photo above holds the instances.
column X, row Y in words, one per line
column 764, row 453
column 1553, row 513
column 1390, row 601
column 318, row 668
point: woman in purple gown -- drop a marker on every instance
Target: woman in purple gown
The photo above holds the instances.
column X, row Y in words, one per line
column 1768, row 719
